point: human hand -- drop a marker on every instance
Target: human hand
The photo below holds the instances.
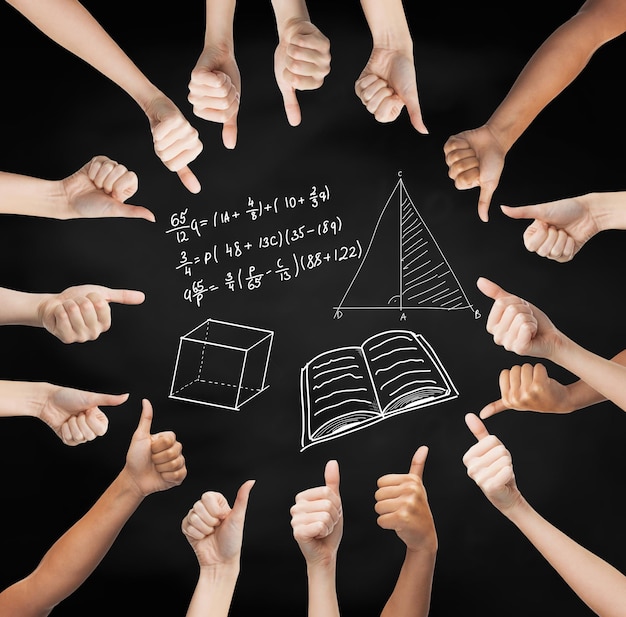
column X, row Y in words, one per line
column 154, row 462
column 387, row 84
column 82, row 313
column 317, row 519
column 214, row 529
column 75, row 415
column 529, row 388
column 402, row 505
column 215, row 90
column 517, row 325
column 176, row 142
column 301, row 62
column 475, row 158
column 560, row 228
column 99, row 189
column 490, row 465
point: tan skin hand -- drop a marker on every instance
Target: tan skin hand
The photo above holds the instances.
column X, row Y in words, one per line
column 475, row 158
column 529, row 388
column 402, row 505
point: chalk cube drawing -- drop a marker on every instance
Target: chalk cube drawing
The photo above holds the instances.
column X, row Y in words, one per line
column 221, row 364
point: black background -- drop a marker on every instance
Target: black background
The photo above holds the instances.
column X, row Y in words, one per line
column 58, row 112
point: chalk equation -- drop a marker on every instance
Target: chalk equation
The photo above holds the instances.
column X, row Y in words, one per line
column 251, row 277
column 249, row 252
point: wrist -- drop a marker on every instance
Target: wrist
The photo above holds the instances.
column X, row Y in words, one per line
column 129, row 485
column 23, row 398
column 517, row 511
column 288, row 13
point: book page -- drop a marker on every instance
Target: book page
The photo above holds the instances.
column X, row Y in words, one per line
column 337, row 393
column 405, row 371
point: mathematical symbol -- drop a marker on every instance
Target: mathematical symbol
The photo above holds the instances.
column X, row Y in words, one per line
column 235, row 215
column 301, row 200
column 327, row 257
column 247, row 246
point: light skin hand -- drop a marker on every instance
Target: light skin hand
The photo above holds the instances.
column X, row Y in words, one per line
column 475, row 158
column 490, row 465
column 402, row 505
column 75, row 415
column 214, row 529
column 100, row 188
column 387, row 84
column 154, row 462
column 517, row 325
column 560, row 228
column 82, row 313
column 215, row 91
column 529, row 388
column 317, row 518
column 301, row 62
column 176, row 142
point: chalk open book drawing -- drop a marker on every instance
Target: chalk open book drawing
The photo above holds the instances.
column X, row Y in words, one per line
column 350, row 388
column 403, row 267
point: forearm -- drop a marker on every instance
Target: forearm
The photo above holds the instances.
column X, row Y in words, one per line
column 606, row 377
column 30, row 196
column 23, row 398
column 219, row 24
column 322, row 590
column 607, row 209
column 598, row 584
column 214, row 590
column 289, row 10
column 555, row 64
column 69, row 24
column 74, row 556
column 387, row 24
column 411, row 594
column 20, row 308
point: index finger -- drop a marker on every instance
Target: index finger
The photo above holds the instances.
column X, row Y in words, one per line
column 455, row 143
column 419, row 461
column 476, row 425
column 189, row 180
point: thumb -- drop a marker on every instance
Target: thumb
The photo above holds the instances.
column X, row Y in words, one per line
column 124, row 296
column 331, row 476
column 520, row 212
column 492, row 409
column 490, row 289
column 145, row 421
column 411, row 101
column 229, row 132
column 107, row 400
column 419, row 461
column 292, row 107
column 241, row 501
column 476, row 425
column 189, row 180
column 131, row 211
column 484, row 201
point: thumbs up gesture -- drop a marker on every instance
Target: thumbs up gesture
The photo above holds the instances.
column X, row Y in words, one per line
column 317, row 518
column 154, row 462
column 490, row 465
column 402, row 505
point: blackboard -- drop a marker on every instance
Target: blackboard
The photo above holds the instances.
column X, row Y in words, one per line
column 58, row 113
